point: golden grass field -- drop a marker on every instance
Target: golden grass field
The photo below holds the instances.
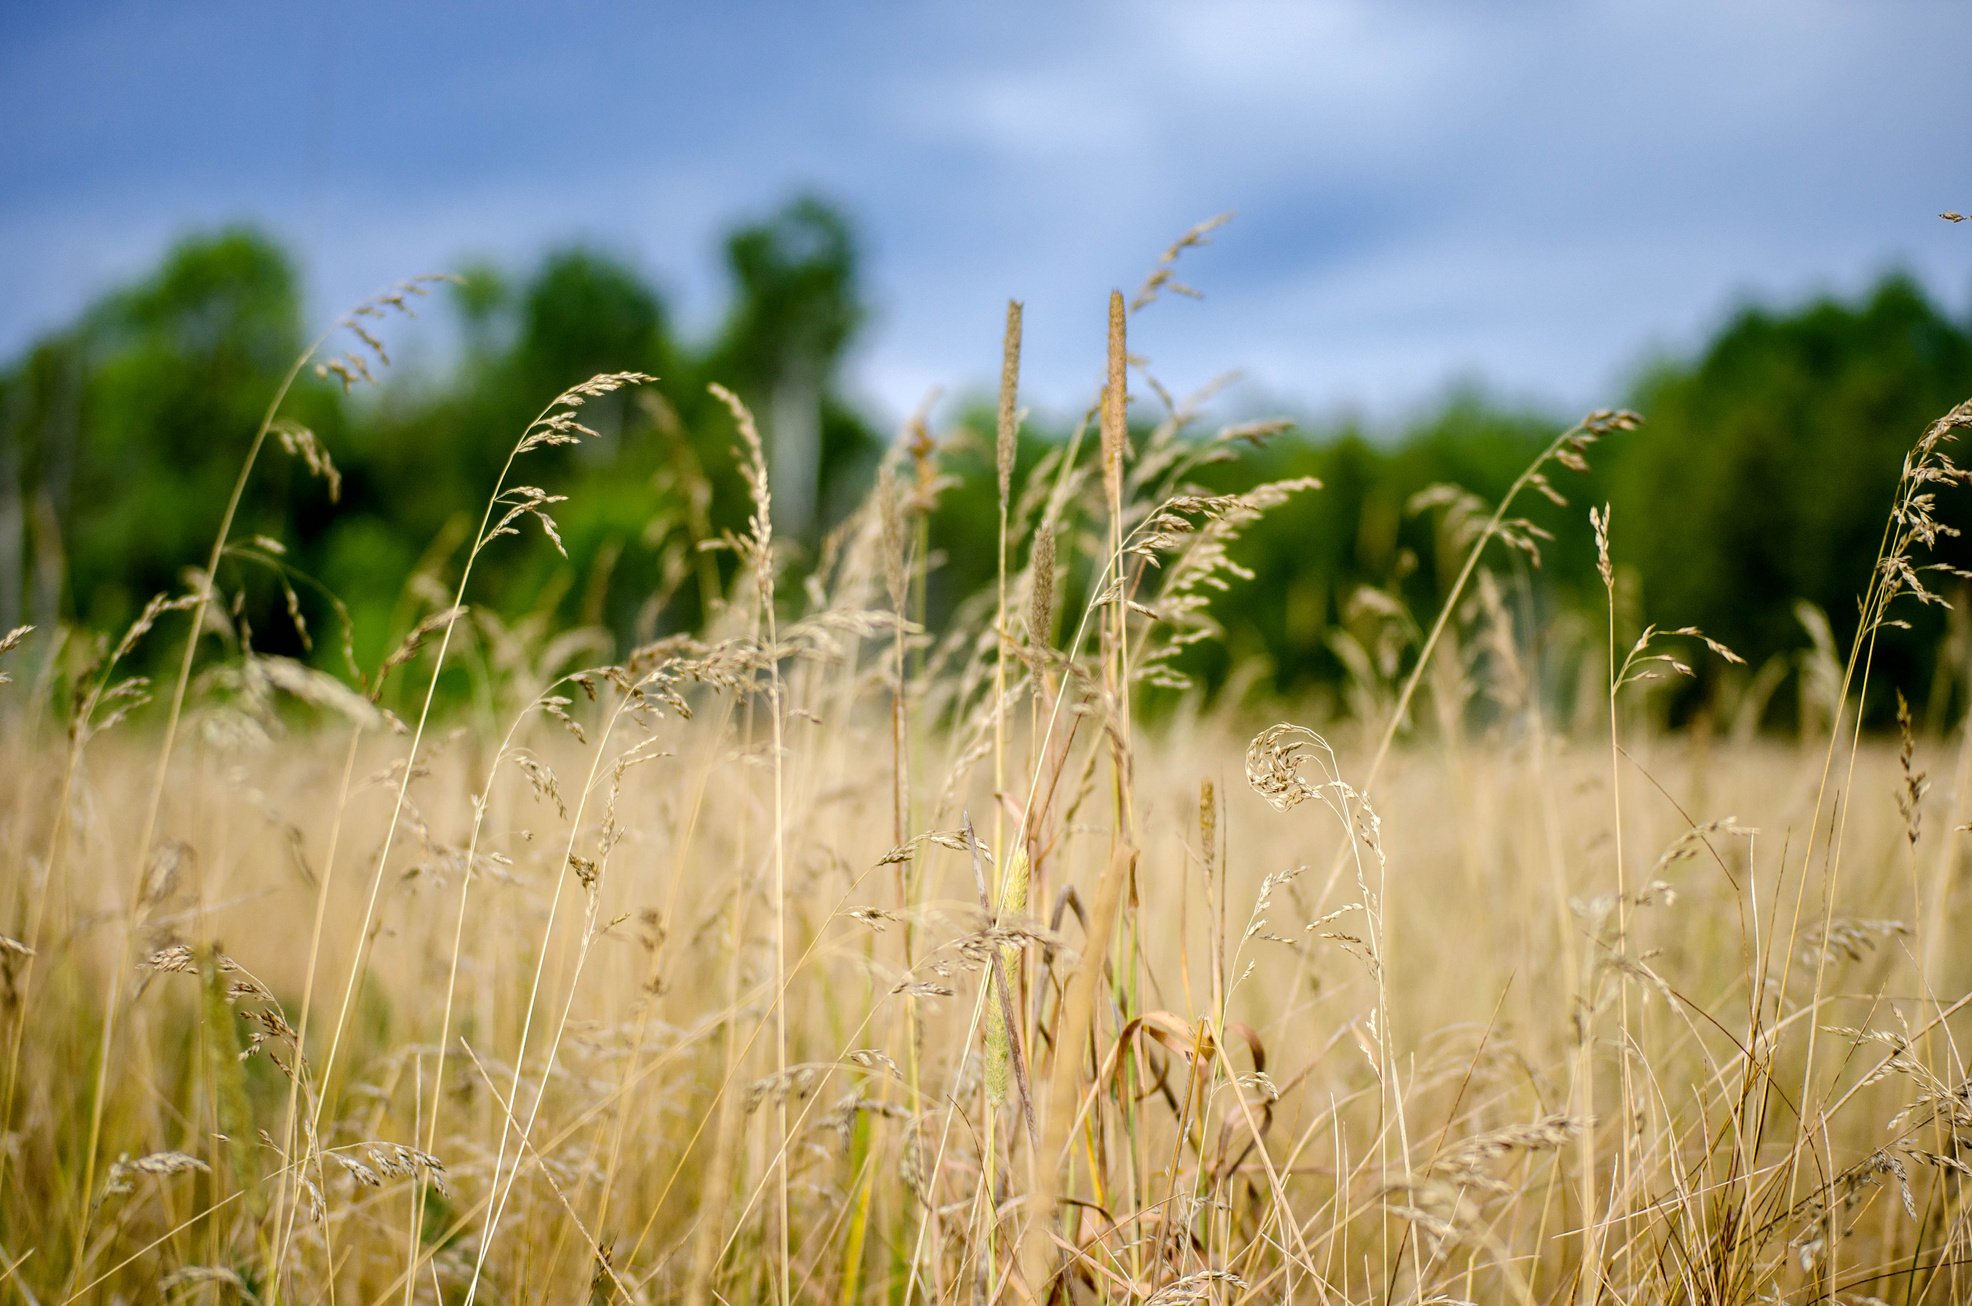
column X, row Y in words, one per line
column 826, row 958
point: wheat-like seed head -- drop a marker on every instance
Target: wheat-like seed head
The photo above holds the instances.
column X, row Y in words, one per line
column 1009, row 417
column 753, row 468
column 1163, row 276
column 1115, row 402
column 11, row 641
column 1040, row 598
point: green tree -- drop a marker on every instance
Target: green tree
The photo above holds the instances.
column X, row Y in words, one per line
column 124, row 433
column 1767, row 464
column 797, row 305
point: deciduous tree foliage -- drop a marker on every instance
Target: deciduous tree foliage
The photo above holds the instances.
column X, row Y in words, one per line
column 1769, row 462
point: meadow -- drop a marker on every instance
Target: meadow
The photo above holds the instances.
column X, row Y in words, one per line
column 823, row 955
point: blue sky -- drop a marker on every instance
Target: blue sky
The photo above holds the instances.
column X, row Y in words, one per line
column 1538, row 194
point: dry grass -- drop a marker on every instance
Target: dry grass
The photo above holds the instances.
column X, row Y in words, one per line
column 825, row 958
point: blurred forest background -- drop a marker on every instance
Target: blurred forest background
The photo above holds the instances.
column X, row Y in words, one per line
column 1757, row 485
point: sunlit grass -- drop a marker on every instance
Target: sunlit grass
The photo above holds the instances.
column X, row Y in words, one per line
column 822, row 956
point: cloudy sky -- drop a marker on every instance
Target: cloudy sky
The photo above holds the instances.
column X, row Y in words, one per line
column 1532, row 192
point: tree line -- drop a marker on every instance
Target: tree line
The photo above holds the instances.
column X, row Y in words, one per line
column 1758, row 483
